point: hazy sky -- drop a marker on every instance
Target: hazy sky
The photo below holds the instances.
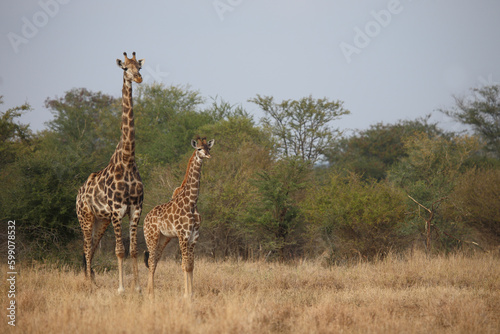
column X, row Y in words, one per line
column 387, row 60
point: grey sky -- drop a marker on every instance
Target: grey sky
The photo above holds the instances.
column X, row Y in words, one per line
column 387, row 60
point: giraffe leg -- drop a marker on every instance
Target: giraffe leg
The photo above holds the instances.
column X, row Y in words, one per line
column 187, row 267
column 86, row 219
column 100, row 226
column 187, row 241
column 133, row 247
column 155, row 254
column 188, row 284
column 87, row 250
column 96, row 233
column 119, row 250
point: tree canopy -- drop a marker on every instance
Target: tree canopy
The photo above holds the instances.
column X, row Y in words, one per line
column 303, row 127
column 481, row 111
column 264, row 193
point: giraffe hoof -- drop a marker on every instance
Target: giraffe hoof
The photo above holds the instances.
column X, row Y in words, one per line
column 138, row 289
column 121, row 290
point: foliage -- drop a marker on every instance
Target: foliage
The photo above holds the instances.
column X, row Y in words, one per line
column 16, row 143
column 242, row 149
column 272, row 216
column 54, row 164
column 14, row 137
column 476, row 201
column 355, row 216
column 429, row 174
column 166, row 119
column 372, row 152
column 301, row 128
column 432, row 165
column 85, row 123
column 45, row 200
column 263, row 192
column 481, row 111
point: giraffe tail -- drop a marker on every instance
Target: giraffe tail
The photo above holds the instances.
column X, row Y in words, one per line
column 146, row 258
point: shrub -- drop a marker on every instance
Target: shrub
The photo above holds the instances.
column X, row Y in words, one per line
column 355, row 217
column 475, row 201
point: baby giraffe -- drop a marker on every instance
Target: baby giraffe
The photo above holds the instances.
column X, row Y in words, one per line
column 179, row 218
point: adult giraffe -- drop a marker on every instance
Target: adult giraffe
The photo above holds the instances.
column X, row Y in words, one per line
column 117, row 190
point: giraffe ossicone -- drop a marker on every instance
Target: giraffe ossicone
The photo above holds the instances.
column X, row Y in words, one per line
column 179, row 218
column 117, row 190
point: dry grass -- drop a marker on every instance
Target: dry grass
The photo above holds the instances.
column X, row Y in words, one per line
column 454, row 294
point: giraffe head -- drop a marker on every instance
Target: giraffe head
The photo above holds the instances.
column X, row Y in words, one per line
column 202, row 147
column 131, row 67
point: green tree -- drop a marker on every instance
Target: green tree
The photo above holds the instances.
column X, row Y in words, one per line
column 14, row 136
column 86, row 125
column 302, row 127
column 15, row 144
column 45, row 202
column 166, row 119
column 273, row 215
column 481, row 111
column 429, row 174
column 355, row 217
column 242, row 150
column 432, row 165
column 475, row 201
column 373, row 151
column 79, row 140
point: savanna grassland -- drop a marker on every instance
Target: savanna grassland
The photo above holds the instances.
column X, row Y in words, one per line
column 412, row 294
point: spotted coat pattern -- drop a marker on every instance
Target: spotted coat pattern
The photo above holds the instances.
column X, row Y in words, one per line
column 179, row 218
column 117, row 190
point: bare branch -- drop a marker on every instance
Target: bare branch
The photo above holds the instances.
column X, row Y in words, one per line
column 414, row 200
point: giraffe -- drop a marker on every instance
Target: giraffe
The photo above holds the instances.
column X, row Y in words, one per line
column 117, row 190
column 179, row 218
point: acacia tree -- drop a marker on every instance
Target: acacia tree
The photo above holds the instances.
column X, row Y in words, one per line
column 482, row 112
column 301, row 128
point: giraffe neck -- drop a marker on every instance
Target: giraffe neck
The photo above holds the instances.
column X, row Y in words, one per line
column 127, row 141
column 191, row 183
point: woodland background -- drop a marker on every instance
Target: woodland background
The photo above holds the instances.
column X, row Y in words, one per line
column 288, row 186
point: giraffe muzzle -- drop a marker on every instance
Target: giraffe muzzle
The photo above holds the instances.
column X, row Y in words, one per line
column 138, row 79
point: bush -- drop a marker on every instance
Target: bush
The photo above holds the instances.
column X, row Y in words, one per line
column 356, row 217
column 475, row 201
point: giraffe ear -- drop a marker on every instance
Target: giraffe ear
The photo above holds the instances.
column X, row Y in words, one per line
column 193, row 143
column 119, row 63
column 211, row 143
column 141, row 62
